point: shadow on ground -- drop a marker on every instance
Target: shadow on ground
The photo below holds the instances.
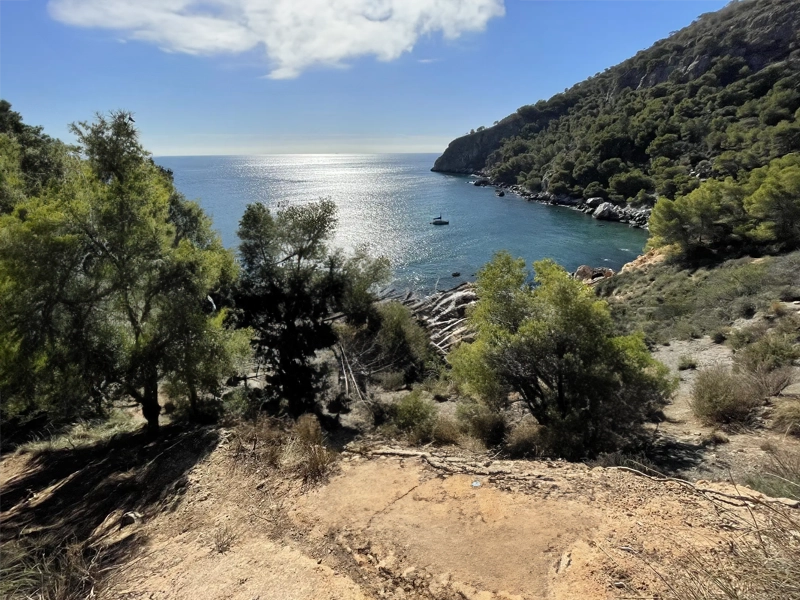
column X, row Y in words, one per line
column 64, row 495
column 675, row 457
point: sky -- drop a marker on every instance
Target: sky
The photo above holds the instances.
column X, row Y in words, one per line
column 312, row 76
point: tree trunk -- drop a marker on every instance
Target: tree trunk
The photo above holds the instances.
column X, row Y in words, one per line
column 150, row 407
column 193, row 399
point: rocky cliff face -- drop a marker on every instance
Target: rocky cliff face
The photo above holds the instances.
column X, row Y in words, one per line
column 468, row 153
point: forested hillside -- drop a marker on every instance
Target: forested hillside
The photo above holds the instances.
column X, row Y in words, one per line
column 719, row 98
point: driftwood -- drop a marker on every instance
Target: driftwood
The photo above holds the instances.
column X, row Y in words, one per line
column 442, row 314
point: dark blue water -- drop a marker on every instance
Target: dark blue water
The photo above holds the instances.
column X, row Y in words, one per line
column 386, row 201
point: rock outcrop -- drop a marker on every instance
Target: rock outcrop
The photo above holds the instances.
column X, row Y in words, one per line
column 591, row 275
column 468, row 153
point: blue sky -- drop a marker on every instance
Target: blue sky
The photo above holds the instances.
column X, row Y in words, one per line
column 265, row 76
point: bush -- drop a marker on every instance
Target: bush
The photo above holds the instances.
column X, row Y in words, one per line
column 401, row 339
column 391, row 380
column 415, row 416
column 770, row 352
column 481, row 422
column 308, row 430
column 554, row 345
column 787, row 417
column 722, row 397
column 524, row 440
column 686, row 363
column 446, row 431
column 719, row 336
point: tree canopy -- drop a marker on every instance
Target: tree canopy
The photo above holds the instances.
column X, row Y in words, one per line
column 760, row 210
column 719, row 97
column 290, row 284
column 106, row 279
column 554, row 345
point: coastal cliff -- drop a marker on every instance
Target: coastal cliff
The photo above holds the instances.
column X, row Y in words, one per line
column 712, row 100
column 468, row 153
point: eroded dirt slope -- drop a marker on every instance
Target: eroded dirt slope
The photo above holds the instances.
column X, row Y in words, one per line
column 393, row 523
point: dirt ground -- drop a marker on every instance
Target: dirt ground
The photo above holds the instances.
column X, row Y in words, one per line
column 695, row 457
column 399, row 523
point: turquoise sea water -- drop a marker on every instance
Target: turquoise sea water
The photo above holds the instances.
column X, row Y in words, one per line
column 386, row 201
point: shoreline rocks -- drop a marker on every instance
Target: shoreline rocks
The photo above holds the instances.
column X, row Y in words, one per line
column 598, row 208
column 592, row 275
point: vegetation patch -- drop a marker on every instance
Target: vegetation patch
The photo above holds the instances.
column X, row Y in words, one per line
column 670, row 300
column 555, row 346
column 721, row 396
column 786, row 417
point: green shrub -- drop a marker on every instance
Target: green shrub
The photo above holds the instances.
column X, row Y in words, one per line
column 524, row 440
column 686, row 363
column 482, row 422
column 401, row 338
column 415, row 416
column 768, row 353
column 722, row 397
column 237, row 404
column 391, row 380
column 555, row 346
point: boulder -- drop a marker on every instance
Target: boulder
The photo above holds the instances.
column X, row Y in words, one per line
column 594, row 202
column 588, row 274
column 606, row 212
column 583, row 273
column 481, row 182
column 130, row 518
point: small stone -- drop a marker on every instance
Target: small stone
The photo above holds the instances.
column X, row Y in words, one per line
column 129, row 518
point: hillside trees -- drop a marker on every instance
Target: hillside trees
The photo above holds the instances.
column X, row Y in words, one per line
column 105, row 283
column 554, row 345
column 761, row 210
column 722, row 91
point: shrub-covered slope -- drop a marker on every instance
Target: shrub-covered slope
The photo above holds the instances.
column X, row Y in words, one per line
column 715, row 98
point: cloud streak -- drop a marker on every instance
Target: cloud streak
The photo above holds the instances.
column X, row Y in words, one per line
column 295, row 34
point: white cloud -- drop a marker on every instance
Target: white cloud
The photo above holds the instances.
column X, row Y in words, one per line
column 296, row 34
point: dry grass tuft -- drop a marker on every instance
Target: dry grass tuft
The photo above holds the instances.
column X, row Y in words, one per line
column 268, row 444
column 308, row 430
column 524, row 440
column 780, row 477
column 446, row 431
column 81, row 434
column 763, row 563
column 48, row 569
column 224, row 537
column 787, row 417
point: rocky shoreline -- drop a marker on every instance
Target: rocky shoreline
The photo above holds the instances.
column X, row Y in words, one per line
column 443, row 313
column 598, row 208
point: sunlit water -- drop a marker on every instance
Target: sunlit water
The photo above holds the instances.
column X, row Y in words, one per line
column 387, row 202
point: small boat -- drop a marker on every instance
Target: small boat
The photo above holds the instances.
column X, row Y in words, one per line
column 439, row 221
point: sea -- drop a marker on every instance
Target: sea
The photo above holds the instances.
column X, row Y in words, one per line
column 386, row 203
